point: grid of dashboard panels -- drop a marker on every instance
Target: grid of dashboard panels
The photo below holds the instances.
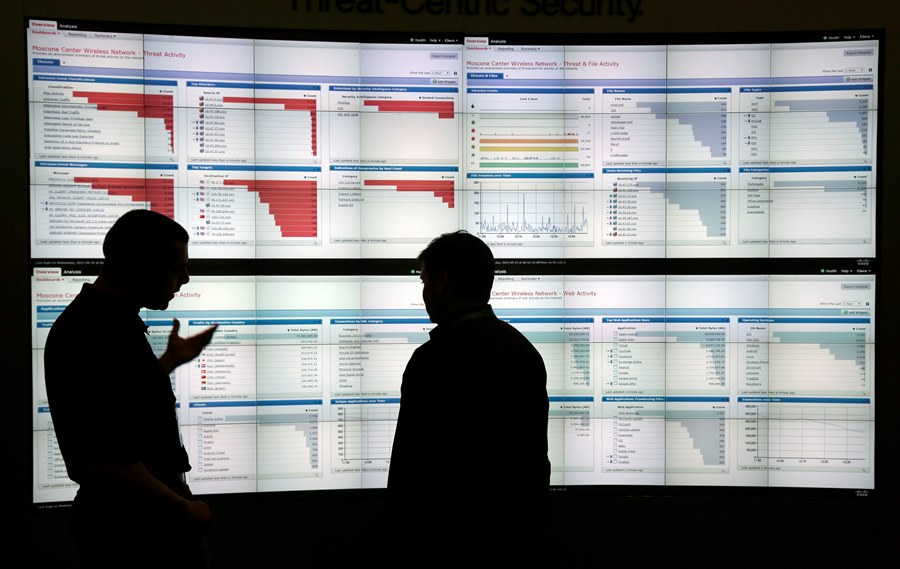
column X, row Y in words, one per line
column 310, row 173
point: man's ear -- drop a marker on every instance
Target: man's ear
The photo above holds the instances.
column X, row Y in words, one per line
column 441, row 281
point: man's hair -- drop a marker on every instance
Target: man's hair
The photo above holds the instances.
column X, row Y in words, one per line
column 468, row 261
column 141, row 235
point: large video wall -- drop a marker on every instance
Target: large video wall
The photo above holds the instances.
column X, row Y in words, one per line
column 685, row 228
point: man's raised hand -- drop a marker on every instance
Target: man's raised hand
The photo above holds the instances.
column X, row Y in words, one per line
column 182, row 350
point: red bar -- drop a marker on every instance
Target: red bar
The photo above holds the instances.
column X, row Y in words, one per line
column 412, row 184
column 444, row 109
column 163, row 182
column 160, row 195
column 159, row 100
column 420, row 106
column 287, row 184
column 442, row 189
column 282, row 214
column 314, row 141
column 293, row 203
column 284, row 220
column 288, row 202
column 446, row 196
column 304, row 231
column 253, row 185
column 95, row 97
column 146, row 106
column 289, row 105
column 274, row 197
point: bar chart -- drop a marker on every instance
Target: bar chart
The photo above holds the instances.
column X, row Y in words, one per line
column 400, row 125
column 86, row 132
column 154, row 108
column 290, row 136
column 405, row 203
column 288, row 440
column 821, row 208
column 371, row 354
column 75, row 203
column 286, row 208
column 696, row 445
column 363, row 434
column 634, row 435
column 696, row 213
column 807, row 356
column 529, row 141
column 812, row 125
column 806, row 434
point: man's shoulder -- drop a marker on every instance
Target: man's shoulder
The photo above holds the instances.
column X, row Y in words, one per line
column 76, row 314
column 491, row 335
column 492, row 327
column 86, row 319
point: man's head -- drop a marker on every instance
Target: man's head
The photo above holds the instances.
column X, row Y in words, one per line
column 457, row 273
column 145, row 257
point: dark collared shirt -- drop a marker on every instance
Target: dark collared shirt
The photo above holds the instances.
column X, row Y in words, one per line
column 110, row 399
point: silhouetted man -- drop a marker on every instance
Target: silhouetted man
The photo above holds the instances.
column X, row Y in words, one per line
column 113, row 408
column 469, row 471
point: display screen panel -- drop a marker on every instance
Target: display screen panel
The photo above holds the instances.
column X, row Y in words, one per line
column 699, row 380
column 666, row 215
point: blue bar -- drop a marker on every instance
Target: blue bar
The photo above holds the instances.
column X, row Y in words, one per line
column 770, row 399
column 808, row 320
column 634, row 170
column 531, row 175
column 288, row 168
column 286, row 87
column 380, row 321
column 531, row 91
column 196, row 404
column 271, row 403
column 365, row 401
column 123, row 165
column 853, row 87
column 696, row 399
column 549, row 320
column 665, row 90
column 348, row 80
column 217, row 167
column 284, row 321
column 368, row 89
column 216, row 84
column 821, row 169
column 698, row 170
column 666, row 170
column 628, row 90
column 360, row 168
column 670, row 319
column 81, row 79
column 212, row 167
